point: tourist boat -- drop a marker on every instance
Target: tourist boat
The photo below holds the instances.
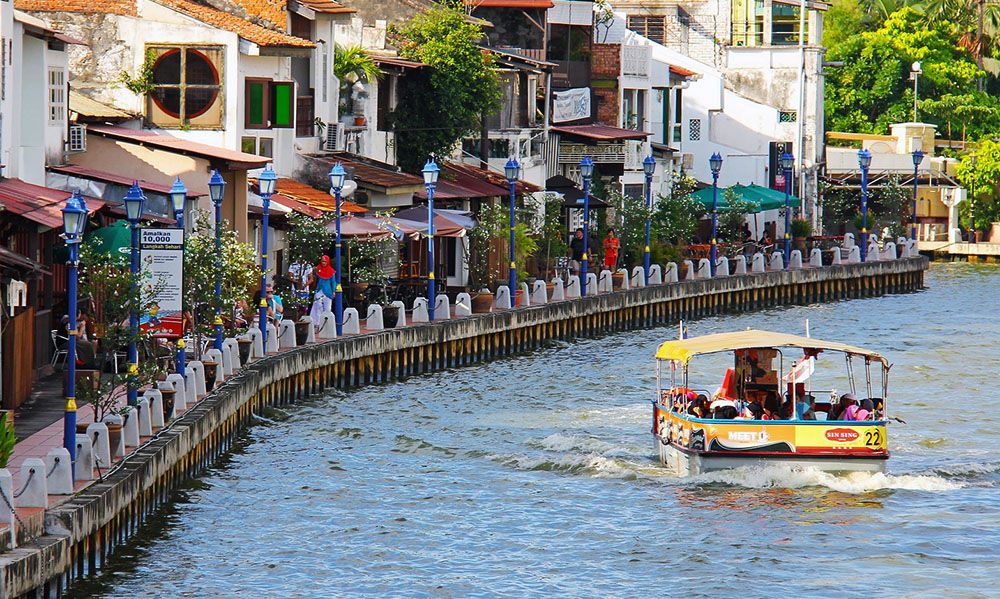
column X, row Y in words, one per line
column 770, row 408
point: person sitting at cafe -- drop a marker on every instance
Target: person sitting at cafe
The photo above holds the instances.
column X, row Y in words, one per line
column 275, row 308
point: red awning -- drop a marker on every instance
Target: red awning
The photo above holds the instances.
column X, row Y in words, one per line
column 681, row 71
column 601, row 132
column 42, row 205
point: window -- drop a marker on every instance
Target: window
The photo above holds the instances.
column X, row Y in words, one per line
column 262, row 146
column 748, row 23
column 787, row 116
column 694, row 129
column 651, row 27
column 785, row 25
column 269, row 104
column 248, row 145
column 678, row 120
column 634, row 109
column 57, row 96
column 634, row 191
column 187, row 87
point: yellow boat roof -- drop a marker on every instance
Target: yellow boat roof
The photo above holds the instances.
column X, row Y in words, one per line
column 684, row 349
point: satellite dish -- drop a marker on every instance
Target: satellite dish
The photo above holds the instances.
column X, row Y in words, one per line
column 348, row 189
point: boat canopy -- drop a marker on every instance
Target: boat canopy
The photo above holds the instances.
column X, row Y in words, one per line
column 684, row 349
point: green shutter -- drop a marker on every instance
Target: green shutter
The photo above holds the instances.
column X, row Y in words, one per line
column 282, row 111
column 255, row 104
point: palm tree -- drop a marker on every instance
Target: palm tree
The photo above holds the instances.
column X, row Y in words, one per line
column 352, row 63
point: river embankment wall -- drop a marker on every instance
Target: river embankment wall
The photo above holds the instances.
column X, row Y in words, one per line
column 81, row 533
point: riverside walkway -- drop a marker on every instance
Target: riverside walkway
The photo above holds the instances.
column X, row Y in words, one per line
column 72, row 535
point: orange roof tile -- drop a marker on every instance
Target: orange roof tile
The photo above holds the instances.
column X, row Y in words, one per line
column 327, row 6
column 300, row 192
column 223, row 20
column 112, row 7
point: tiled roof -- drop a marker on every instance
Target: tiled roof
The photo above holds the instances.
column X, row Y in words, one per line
column 112, row 7
column 466, row 174
column 42, row 205
column 252, row 32
column 681, row 71
column 236, row 160
column 308, row 200
column 327, row 6
column 373, row 173
column 601, row 132
column 89, row 173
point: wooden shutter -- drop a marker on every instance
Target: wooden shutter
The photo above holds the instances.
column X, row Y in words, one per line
column 282, row 104
column 257, row 109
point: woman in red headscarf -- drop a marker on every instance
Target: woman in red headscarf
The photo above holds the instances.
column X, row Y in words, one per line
column 325, row 284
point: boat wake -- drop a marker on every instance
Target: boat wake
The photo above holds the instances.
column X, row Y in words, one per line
column 797, row 478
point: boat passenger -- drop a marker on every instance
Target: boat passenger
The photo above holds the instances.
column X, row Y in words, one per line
column 839, row 412
column 805, row 407
column 866, row 410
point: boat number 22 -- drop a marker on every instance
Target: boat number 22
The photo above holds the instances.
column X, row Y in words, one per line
column 873, row 438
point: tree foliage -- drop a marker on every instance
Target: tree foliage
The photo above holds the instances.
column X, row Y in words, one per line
column 676, row 215
column 445, row 102
column 979, row 173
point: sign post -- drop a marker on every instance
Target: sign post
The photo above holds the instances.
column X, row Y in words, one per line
column 161, row 254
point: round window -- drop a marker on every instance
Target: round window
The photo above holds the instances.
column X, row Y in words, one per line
column 200, row 85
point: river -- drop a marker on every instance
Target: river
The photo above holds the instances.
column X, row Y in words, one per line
column 535, row 476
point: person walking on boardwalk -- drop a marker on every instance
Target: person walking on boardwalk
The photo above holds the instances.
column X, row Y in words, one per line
column 611, row 245
column 325, row 283
column 576, row 251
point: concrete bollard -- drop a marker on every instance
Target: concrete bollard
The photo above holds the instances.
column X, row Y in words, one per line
column 272, row 339
column 525, row 296
column 502, row 299
column 327, row 328
column 741, row 265
column 874, row 253
column 638, row 277
column 777, row 261
column 539, row 295
column 463, row 298
column 234, row 351
column 257, row 349
column 816, row 257
column 604, row 283
column 420, row 313
column 172, row 385
column 704, row 269
column 178, row 382
column 592, row 287
column 757, row 263
column 198, row 369
column 352, row 322
column 722, row 267
column 36, row 493
column 117, row 450
column 286, row 336
column 227, row 360
column 145, row 418
column 848, row 241
column 401, row 312
column 130, row 428
column 558, row 292
column 625, row 277
column 190, row 395
column 573, row 287
column 7, row 488
column 889, row 251
column 310, row 330
column 373, row 319
column 463, row 307
column 911, row 249
column 101, row 444
column 84, row 469
column 59, row 472
column 690, row 270
column 836, row 256
column 795, row 259
column 656, row 278
column 155, row 407
column 442, row 307
column 855, row 256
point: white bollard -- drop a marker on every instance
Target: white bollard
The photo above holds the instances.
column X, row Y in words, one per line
column 463, row 307
column 420, row 310
column 777, row 261
column 373, row 320
column 257, row 349
column 848, row 241
column 625, row 277
column 401, row 318
column 836, row 256
column 198, row 369
column 816, row 257
column 234, row 351
column 118, row 449
column 502, row 299
column 722, row 267
column 145, row 418
column 155, row 407
column 214, row 355
column 463, row 298
column 310, row 330
column 795, row 259
column 604, row 284
column 272, row 339
column 558, row 292
column 130, row 428
column 638, row 277
column 352, row 322
column 689, row 265
column 84, row 469
column 704, row 269
column 286, row 336
column 59, row 472
column 227, row 360
column 525, row 296
column 178, row 382
column 190, row 395
column 540, row 294
column 442, row 307
column 656, row 278
column 592, row 287
column 7, row 488
column 35, row 493
column 889, row 251
column 101, row 444
column 855, row 256
column 911, row 249
column 741, row 265
column 327, row 328
column 573, row 287
column 757, row 263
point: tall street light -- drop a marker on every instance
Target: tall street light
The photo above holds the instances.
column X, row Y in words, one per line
column 216, row 189
column 787, row 162
column 513, row 172
column 715, row 163
column 587, row 172
column 178, row 197
column 918, row 157
column 865, row 162
column 431, row 172
column 74, row 224
column 648, row 167
column 266, row 183
column 337, row 177
column 134, row 201
column 915, row 71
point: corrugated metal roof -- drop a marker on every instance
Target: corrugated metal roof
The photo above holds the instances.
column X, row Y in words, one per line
column 601, row 132
column 42, row 205
column 237, row 160
column 326, row 6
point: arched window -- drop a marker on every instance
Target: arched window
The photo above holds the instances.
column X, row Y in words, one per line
column 187, row 87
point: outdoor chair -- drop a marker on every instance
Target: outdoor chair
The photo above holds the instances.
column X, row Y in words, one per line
column 59, row 347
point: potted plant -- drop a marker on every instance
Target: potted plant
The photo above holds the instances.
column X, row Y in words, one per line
column 799, row 230
column 7, row 439
column 354, row 68
column 483, row 260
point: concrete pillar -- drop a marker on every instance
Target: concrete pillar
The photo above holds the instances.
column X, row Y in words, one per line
column 855, row 256
column 401, row 318
column 234, row 351
column 190, row 395
column 656, row 278
column 795, row 259
column 199, row 376
column 889, row 251
column 836, row 255
column 874, row 253
column 84, row 458
column 311, row 330
column 60, row 474
column 7, row 488
column 592, row 284
column 704, row 269
column 558, row 291
column 911, row 249
column 352, row 322
column 130, row 428
column 327, row 328
column 525, row 296
column 442, row 307
column 145, row 422
column 117, row 450
column 502, row 299
column 690, row 270
column 463, row 298
column 420, row 313
column 36, row 493
column 573, row 287
column 540, row 294
column 463, row 308
column 178, row 383
column 227, row 360
column 722, row 267
column 257, row 349
column 757, row 263
column 155, row 407
column 638, row 277
column 848, row 241
column 101, row 443
column 816, row 257
column 272, row 339
column 286, row 335
column 777, row 261
column 625, row 277
column 741, row 265
column 373, row 319
column 604, row 284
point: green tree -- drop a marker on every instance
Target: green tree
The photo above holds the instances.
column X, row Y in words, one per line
column 676, row 215
column 979, row 173
column 445, row 102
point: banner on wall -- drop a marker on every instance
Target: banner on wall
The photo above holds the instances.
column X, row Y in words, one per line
column 571, row 105
column 161, row 258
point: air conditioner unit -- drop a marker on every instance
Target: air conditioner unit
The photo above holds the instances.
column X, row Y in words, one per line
column 77, row 138
column 332, row 138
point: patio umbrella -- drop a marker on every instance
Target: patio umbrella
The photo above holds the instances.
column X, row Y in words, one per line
column 112, row 240
column 356, row 226
column 415, row 225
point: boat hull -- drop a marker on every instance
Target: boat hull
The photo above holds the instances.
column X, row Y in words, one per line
column 691, row 464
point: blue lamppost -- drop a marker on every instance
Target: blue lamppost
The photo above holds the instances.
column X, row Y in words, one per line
column 918, row 157
column 587, row 173
column 715, row 163
column 864, row 161
column 134, row 201
column 178, row 197
column 266, row 182
column 74, row 224
column 337, row 177
column 787, row 162
column 513, row 172
column 431, row 172
column 648, row 167
column 216, row 188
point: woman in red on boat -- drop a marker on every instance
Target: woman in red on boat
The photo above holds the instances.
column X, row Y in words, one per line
column 611, row 245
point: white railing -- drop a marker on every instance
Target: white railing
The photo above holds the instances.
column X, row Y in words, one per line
column 635, row 60
column 570, row 153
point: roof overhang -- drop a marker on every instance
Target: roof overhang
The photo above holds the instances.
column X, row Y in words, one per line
column 222, row 158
